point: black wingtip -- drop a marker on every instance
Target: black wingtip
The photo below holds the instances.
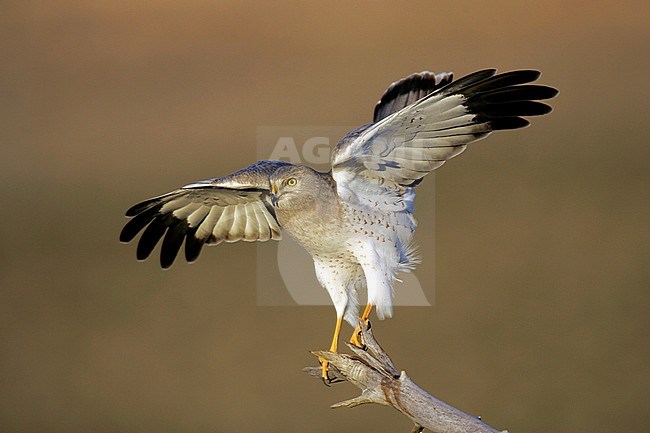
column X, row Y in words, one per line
column 126, row 236
column 509, row 109
column 151, row 236
column 504, row 123
column 478, row 75
column 137, row 223
column 193, row 247
column 528, row 92
column 523, row 75
column 172, row 242
column 141, row 207
column 486, row 81
column 502, row 100
column 468, row 81
column 513, row 78
column 132, row 211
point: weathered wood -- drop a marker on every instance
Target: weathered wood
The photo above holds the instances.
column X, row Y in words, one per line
column 380, row 382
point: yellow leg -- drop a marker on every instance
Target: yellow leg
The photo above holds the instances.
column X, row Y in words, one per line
column 357, row 331
column 333, row 348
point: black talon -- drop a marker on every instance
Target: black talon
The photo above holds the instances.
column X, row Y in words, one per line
column 329, row 381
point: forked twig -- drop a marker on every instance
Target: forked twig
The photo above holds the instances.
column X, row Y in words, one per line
column 373, row 372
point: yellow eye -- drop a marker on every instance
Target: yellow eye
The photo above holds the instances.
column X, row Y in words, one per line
column 292, row 181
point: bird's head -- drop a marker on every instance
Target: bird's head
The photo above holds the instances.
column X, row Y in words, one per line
column 295, row 186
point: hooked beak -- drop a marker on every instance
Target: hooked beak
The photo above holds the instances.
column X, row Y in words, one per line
column 274, row 197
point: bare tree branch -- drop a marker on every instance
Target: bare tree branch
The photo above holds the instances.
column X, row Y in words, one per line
column 380, row 382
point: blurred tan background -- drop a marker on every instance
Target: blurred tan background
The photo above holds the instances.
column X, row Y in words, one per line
column 540, row 321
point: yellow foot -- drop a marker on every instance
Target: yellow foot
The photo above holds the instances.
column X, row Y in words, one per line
column 357, row 336
column 324, row 370
column 333, row 348
column 325, row 376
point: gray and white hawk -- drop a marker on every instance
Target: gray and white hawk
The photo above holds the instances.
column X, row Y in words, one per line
column 356, row 220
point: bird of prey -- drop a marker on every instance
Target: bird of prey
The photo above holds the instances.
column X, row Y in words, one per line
column 356, row 220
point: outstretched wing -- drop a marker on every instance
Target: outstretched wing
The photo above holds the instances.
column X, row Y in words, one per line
column 231, row 208
column 391, row 155
column 409, row 90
